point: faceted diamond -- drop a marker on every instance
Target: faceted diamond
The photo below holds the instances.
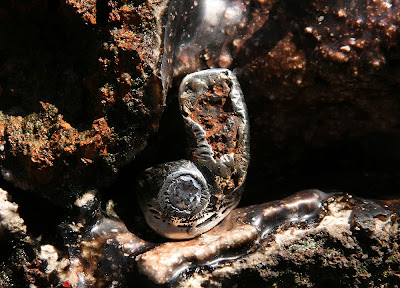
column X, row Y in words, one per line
column 185, row 193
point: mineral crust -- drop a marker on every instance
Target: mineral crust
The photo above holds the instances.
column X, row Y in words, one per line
column 310, row 239
column 84, row 100
column 80, row 97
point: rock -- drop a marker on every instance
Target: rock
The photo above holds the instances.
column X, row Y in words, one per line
column 312, row 76
column 10, row 221
column 22, row 261
column 320, row 79
column 97, row 86
column 336, row 252
column 354, row 241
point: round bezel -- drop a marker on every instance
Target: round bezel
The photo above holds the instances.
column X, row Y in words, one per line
column 167, row 195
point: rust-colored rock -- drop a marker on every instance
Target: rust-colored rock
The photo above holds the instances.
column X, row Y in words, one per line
column 320, row 69
column 96, row 74
column 213, row 115
column 318, row 75
column 315, row 74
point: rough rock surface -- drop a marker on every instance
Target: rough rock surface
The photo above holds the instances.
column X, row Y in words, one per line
column 336, row 253
column 321, row 83
column 10, row 221
column 80, row 96
column 20, row 262
column 333, row 241
column 85, row 99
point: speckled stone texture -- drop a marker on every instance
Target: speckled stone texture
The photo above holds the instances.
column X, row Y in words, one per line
column 10, row 221
column 348, row 242
column 321, row 82
column 336, row 252
column 80, row 97
column 79, row 90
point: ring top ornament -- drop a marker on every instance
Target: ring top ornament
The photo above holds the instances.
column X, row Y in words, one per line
column 185, row 198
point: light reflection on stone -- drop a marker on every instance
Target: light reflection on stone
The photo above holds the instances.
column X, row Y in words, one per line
column 199, row 34
column 107, row 251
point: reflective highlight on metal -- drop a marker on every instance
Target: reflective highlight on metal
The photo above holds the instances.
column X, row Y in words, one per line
column 200, row 34
column 185, row 198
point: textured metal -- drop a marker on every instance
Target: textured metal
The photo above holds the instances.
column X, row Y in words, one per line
column 185, row 198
